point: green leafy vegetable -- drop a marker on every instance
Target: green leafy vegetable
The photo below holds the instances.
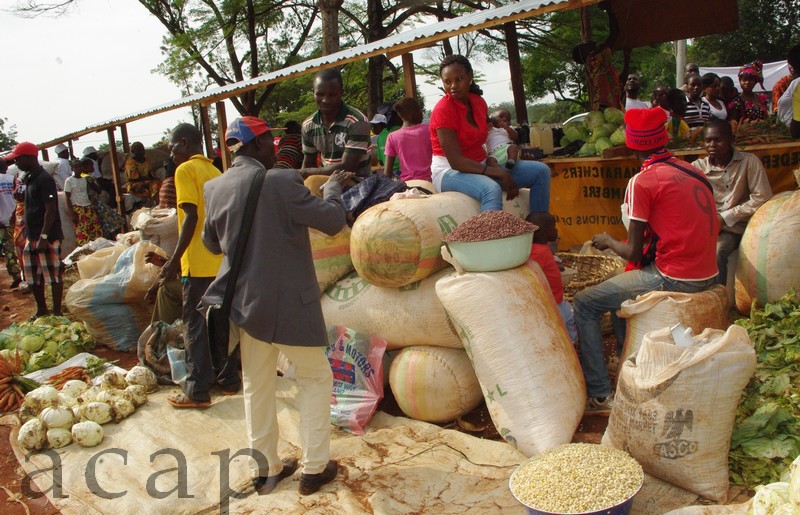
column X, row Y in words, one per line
column 766, row 436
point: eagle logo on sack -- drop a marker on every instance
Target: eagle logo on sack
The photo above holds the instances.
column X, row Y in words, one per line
column 675, row 422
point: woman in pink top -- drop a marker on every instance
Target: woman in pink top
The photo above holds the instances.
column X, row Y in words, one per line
column 411, row 144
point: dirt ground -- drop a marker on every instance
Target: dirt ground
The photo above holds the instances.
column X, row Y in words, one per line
column 18, row 307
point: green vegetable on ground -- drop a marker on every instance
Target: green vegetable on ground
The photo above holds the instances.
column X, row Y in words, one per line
column 766, row 436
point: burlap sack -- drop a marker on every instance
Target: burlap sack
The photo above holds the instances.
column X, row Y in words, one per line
column 675, row 407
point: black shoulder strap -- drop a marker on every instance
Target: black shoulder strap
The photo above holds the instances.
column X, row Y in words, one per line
column 241, row 243
column 692, row 173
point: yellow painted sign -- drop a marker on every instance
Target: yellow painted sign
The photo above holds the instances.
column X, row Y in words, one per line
column 586, row 193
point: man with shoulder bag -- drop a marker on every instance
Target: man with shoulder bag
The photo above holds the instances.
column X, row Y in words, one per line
column 272, row 295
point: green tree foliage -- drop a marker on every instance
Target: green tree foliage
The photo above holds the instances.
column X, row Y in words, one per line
column 7, row 136
column 767, row 29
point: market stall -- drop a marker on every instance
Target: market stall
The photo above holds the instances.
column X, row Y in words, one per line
column 586, row 192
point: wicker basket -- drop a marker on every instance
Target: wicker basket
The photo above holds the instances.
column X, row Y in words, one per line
column 591, row 269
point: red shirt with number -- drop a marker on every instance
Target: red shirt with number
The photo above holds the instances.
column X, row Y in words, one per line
column 682, row 211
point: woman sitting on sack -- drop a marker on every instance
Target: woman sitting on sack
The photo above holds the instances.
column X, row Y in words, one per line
column 459, row 127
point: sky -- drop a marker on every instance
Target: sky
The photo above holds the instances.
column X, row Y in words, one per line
column 95, row 63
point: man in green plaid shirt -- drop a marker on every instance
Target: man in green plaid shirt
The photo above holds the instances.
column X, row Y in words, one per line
column 337, row 133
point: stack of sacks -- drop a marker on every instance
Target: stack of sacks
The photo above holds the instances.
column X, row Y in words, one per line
column 395, row 250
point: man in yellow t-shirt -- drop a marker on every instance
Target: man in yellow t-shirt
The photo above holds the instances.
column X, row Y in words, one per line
column 206, row 361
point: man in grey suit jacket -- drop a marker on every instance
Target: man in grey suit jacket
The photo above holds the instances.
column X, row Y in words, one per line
column 276, row 304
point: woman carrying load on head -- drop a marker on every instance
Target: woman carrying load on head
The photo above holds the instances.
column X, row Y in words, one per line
column 749, row 106
column 459, row 127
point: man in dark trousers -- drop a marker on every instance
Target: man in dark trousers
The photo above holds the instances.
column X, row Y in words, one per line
column 42, row 253
column 276, row 304
column 671, row 199
column 197, row 266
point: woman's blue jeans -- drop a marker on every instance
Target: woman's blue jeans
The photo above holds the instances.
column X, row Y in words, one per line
column 591, row 303
column 527, row 174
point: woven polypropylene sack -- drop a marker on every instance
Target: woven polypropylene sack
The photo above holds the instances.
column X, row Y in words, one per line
column 113, row 306
column 526, row 365
column 660, row 309
column 397, row 243
column 331, row 256
column 767, row 263
column 157, row 225
column 406, row 316
column 434, row 384
column 675, row 407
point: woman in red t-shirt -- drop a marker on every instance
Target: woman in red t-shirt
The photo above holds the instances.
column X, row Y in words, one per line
column 458, row 132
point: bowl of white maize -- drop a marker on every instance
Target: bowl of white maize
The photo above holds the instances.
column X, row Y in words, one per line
column 578, row 478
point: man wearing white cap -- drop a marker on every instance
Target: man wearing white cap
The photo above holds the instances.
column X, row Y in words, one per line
column 64, row 167
column 91, row 153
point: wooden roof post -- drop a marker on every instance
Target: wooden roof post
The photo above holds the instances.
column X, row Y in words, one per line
column 45, row 155
column 112, row 150
column 515, row 67
column 206, row 128
column 71, row 149
column 222, row 126
column 409, row 78
column 126, row 145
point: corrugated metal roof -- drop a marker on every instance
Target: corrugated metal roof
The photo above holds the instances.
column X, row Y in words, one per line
column 410, row 38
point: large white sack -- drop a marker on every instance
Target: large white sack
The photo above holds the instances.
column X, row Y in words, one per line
column 675, row 407
column 659, row 309
column 113, row 305
column 406, row 316
column 767, row 258
column 434, row 384
column 158, row 226
column 527, row 367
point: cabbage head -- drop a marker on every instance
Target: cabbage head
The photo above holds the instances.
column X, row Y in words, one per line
column 588, row 149
column 67, row 349
column 770, row 497
column 602, row 144
column 576, row 134
column 600, row 132
column 564, row 141
column 50, row 347
column 40, row 360
column 614, row 115
column 594, row 119
column 31, row 343
column 618, row 137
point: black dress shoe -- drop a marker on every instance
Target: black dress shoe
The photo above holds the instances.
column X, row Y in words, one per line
column 311, row 483
column 264, row 485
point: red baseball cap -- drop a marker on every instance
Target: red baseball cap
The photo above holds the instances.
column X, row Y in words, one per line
column 26, row 148
column 245, row 129
column 645, row 129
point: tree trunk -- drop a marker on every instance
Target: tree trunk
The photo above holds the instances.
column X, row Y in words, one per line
column 330, row 25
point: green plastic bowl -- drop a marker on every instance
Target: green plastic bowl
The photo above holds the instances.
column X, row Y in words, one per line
column 492, row 255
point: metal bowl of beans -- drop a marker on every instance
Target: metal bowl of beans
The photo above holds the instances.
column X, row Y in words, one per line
column 578, row 478
column 490, row 242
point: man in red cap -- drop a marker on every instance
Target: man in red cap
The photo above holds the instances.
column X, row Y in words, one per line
column 276, row 304
column 42, row 252
column 670, row 199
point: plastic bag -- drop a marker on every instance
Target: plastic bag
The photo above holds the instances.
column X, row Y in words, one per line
column 357, row 364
